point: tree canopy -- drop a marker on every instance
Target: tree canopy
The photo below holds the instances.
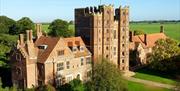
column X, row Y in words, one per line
column 165, row 55
column 106, row 77
column 138, row 32
column 5, row 24
column 60, row 28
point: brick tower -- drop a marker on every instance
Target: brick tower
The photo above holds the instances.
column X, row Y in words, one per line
column 105, row 34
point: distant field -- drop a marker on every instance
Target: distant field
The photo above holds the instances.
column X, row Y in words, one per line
column 45, row 27
column 171, row 30
column 133, row 86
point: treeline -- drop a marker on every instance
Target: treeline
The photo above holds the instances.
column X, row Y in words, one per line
column 156, row 21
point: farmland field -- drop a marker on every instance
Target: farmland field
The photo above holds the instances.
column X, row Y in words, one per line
column 171, row 29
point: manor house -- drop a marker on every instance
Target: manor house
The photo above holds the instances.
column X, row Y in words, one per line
column 41, row 60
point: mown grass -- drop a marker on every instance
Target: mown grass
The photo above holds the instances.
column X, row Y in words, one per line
column 133, row 86
column 171, row 29
column 155, row 76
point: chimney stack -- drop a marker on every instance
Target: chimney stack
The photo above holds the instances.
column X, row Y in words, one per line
column 145, row 39
column 21, row 38
column 161, row 29
column 38, row 30
column 30, row 36
column 130, row 36
column 27, row 35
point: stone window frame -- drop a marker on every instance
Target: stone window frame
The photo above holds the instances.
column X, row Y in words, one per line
column 82, row 61
column 18, row 57
column 107, row 30
column 60, row 66
column 107, row 56
column 67, row 65
column 60, row 52
column 88, row 60
column 123, row 60
column 82, row 48
column 115, row 35
column 18, row 71
column 107, row 48
column 123, row 53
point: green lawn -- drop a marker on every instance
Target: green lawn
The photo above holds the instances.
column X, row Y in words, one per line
column 154, row 76
column 171, row 29
column 133, row 86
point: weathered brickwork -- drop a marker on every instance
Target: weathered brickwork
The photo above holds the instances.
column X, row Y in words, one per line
column 48, row 60
column 105, row 34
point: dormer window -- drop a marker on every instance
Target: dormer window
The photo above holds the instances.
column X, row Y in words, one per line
column 43, row 47
column 81, row 48
column 74, row 49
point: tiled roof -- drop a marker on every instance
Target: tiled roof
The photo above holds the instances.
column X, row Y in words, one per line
column 50, row 42
column 151, row 39
column 74, row 41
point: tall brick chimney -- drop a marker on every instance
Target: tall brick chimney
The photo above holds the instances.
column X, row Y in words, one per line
column 161, row 29
column 21, row 39
column 130, row 36
column 30, row 36
column 27, row 35
column 145, row 39
column 38, row 30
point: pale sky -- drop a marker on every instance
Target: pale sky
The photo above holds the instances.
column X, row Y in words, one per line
column 48, row 10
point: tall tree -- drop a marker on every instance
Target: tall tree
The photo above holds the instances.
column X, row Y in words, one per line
column 60, row 28
column 5, row 24
column 21, row 26
column 77, row 85
column 165, row 54
column 106, row 77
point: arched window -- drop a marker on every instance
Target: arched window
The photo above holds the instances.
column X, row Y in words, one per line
column 18, row 71
column 78, row 76
column 18, row 57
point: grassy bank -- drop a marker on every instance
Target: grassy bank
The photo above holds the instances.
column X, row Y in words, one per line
column 133, row 86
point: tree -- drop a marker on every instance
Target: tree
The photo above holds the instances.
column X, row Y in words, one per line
column 21, row 26
column 3, row 28
column 7, row 88
column 47, row 87
column 164, row 55
column 106, row 77
column 71, row 22
column 77, row 85
column 74, row 85
column 138, row 32
column 5, row 24
column 60, row 28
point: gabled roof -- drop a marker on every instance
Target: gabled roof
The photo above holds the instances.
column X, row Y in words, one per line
column 74, row 41
column 151, row 39
column 50, row 42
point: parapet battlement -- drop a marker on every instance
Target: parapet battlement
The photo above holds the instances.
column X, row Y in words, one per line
column 93, row 10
